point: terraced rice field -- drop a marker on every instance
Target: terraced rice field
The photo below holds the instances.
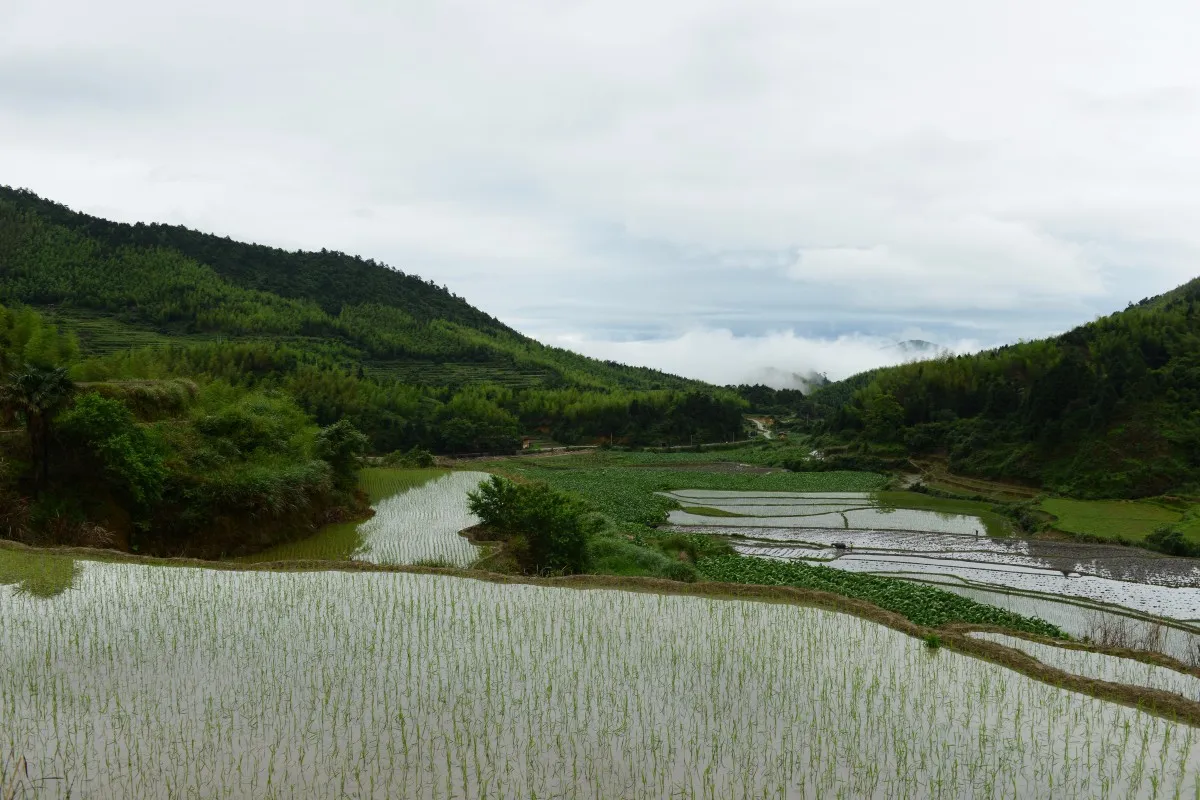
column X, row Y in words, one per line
column 849, row 531
column 418, row 514
column 156, row 682
column 1103, row 667
column 846, row 510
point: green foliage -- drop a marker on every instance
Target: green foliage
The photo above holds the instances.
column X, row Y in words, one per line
column 548, row 530
column 104, row 432
column 921, row 604
column 780, row 402
column 628, row 495
column 348, row 338
column 1106, row 410
column 415, row 458
column 28, row 339
column 1169, row 539
column 184, row 282
column 341, row 445
column 472, row 422
column 883, row 417
column 34, row 394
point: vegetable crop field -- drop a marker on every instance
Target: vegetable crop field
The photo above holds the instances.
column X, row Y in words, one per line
column 156, row 682
column 924, row 605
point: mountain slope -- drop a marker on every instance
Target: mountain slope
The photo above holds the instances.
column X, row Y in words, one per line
column 1111, row 408
column 178, row 282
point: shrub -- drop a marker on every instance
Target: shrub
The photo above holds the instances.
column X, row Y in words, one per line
column 554, row 526
column 103, row 431
column 341, row 445
column 1168, row 539
column 416, row 458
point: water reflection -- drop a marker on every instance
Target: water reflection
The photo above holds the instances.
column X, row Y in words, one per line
column 37, row 574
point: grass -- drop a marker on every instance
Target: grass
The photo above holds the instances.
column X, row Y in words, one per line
column 1115, row 519
column 627, row 495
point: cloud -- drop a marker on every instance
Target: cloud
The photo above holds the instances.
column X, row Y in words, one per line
column 619, row 170
column 781, row 359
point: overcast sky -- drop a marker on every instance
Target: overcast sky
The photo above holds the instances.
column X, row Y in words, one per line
column 729, row 190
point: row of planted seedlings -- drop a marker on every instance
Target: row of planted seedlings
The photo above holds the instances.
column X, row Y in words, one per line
column 150, row 681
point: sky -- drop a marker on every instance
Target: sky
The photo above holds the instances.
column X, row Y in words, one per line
column 734, row 191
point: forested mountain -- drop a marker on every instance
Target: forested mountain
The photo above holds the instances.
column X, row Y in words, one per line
column 346, row 337
column 179, row 392
column 1111, row 408
column 175, row 281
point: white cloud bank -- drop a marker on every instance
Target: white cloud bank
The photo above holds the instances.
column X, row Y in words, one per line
column 620, row 169
column 780, row 359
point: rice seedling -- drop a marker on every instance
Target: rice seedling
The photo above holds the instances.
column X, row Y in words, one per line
column 418, row 514
column 1103, row 667
column 156, row 682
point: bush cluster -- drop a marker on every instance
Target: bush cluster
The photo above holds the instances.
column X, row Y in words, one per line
column 547, row 531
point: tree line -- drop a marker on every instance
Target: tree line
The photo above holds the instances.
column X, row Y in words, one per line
column 1111, row 408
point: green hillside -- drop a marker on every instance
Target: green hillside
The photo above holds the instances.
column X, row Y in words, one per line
column 147, row 279
column 1109, row 409
column 176, row 392
column 347, row 337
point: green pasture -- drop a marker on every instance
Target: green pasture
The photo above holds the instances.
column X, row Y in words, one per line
column 1118, row 519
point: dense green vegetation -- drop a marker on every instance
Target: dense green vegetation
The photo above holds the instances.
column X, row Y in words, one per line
column 177, row 392
column 1109, row 409
column 627, row 495
column 924, row 605
column 546, row 531
column 406, row 362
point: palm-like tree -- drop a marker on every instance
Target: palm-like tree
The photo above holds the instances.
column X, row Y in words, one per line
column 35, row 394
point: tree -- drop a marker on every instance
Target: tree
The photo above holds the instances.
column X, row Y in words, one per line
column 883, row 417
column 341, row 445
column 547, row 530
column 36, row 394
column 104, row 431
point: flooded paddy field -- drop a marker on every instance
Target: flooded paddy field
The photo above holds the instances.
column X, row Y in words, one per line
column 141, row 681
column 952, row 551
column 417, row 522
column 1101, row 666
